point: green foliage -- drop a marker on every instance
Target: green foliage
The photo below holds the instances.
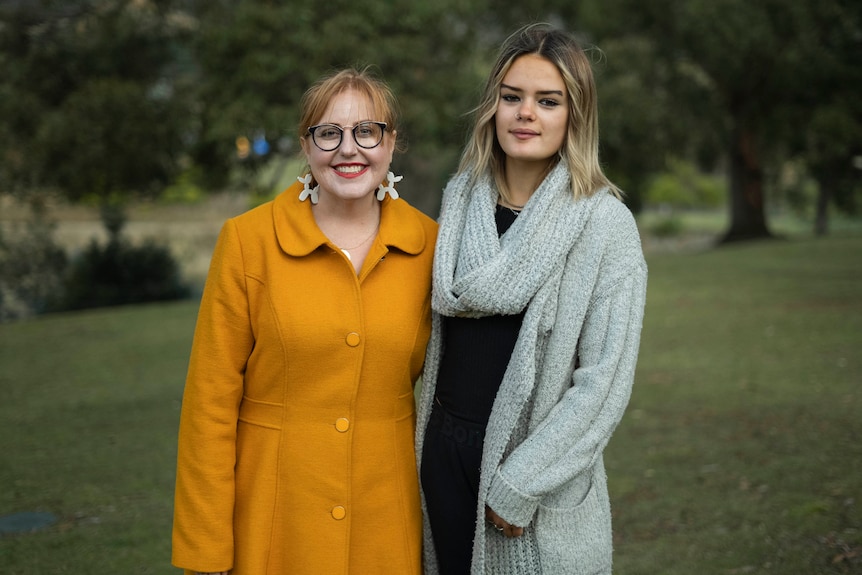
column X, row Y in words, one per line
column 745, row 83
column 120, row 273
column 638, row 118
column 667, row 225
column 796, row 189
column 256, row 59
column 113, row 154
column 186, row 189
column 100, row 98
column 833, row 146
column 684, row 187
column 32, row 268
column 92, row 103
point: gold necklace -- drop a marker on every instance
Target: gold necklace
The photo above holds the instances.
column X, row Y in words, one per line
column 346, row 250
column 514, row 209
column 509, row 205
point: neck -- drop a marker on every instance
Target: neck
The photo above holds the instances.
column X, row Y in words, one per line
column 343, row 220
column 353, row 210
column 522, row 179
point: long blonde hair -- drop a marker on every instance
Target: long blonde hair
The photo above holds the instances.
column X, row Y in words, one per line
column 580, row 149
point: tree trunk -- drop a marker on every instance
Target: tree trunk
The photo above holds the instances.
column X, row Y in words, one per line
column 747, row 214
column 114, row 218
column 821, row 219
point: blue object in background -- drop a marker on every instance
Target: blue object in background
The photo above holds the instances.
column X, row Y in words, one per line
column 25, row 522
column 260, row 146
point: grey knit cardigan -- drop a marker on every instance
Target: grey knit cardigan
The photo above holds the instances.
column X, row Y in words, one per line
column 542, row 462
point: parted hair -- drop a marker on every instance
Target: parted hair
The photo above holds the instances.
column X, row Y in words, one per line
column 580, row 150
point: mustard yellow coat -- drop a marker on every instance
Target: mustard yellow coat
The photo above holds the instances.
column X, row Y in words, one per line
column 296, row 434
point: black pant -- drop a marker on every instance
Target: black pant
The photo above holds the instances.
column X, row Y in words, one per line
column 451, row 459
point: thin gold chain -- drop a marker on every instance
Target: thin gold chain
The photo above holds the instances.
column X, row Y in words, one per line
column 374, row 231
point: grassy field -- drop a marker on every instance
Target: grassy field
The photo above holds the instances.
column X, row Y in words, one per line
column 741, row 451
column 89, row 404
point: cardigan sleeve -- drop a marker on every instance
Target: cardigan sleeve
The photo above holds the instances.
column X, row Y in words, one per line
column 223, row 339
column 569, row 440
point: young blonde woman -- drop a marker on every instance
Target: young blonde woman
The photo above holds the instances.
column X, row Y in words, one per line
column 296, row 433
column 538, row 296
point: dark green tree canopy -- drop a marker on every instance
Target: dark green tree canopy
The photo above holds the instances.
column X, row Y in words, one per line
column 89, row 105
column 763, row 77
column 106, row 97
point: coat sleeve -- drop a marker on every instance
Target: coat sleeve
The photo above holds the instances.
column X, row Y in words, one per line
column 223, row 340
column 570, row 439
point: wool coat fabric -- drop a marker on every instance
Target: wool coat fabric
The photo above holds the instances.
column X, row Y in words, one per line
column 296, row 451
column 577, row 268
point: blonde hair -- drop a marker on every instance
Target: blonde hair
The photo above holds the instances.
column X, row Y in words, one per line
column 580, row 150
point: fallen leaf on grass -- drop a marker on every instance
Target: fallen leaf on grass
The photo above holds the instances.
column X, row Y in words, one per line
column 847, row 555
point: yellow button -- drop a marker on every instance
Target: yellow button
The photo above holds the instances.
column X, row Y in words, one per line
column 342, row 424
column 353, row 339
column 338, row 512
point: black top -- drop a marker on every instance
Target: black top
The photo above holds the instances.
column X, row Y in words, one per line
column 476, row 352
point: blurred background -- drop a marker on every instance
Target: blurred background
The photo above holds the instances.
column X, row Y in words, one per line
column 163, row 117
column 131, row 129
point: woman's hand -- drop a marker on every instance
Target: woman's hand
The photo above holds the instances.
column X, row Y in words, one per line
column 502, row 525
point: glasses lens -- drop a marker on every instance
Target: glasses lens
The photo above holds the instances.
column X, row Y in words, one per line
column 326, row 136
column 368, row 134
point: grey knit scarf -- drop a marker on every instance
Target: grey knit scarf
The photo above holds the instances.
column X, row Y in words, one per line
column 477, row 273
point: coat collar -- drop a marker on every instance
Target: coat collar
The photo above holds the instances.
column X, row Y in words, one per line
column 298, row 234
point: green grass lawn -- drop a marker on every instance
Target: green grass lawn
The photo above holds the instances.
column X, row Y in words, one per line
column 89, row 406
column 741, row 451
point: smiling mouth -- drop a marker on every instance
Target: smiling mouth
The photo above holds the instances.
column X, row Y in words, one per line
column 351, row 169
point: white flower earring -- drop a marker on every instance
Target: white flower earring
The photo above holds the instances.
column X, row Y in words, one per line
column 391, row 180
column 307, row 191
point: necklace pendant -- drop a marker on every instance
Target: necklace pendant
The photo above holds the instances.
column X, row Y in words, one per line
column 347, row 253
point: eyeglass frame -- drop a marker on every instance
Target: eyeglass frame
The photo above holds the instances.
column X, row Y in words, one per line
column 342, row 129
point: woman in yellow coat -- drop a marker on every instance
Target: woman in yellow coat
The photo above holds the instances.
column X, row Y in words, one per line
column 296, row 434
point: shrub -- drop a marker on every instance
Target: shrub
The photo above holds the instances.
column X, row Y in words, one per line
column 31, row 269
column 120, row 273
column 667, row 226
column 684, row 187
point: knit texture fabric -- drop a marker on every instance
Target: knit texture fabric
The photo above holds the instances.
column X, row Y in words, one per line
column 477, row 273
column 577, row 269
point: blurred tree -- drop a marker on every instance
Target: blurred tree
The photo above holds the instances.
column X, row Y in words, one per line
column 88, row 103
column 739, row 70
column 257, row 57
column 825, row 125
column 834, row 153
column 638, row 122
column 101, row 98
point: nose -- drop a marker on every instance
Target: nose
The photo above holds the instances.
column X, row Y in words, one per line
column 525, row 111
column 348, row 143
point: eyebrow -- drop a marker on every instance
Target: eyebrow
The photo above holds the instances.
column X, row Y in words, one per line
column 542, row 92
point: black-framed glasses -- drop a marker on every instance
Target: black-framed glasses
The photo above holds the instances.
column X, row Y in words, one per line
column 328, row 137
